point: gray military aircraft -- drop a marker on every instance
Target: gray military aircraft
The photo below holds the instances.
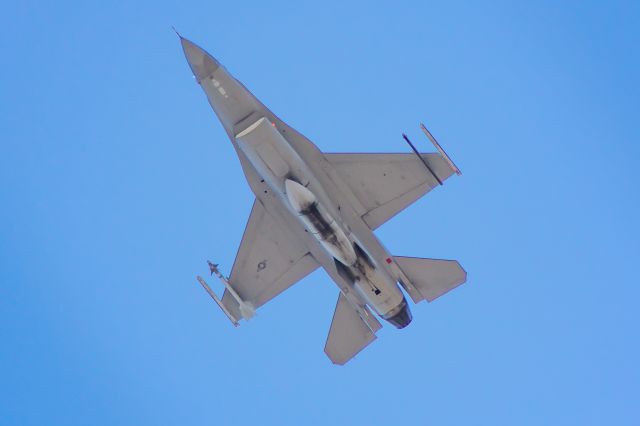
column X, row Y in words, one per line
column 314, row 209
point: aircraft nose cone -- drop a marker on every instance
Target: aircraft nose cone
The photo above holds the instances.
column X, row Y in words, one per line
column 202, row 64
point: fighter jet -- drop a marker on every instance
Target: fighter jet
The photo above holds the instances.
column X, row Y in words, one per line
column 314, row 209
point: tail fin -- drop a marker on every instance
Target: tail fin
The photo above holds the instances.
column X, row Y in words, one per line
column 431, row 277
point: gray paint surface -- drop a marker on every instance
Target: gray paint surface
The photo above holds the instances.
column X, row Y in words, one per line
column 357, row 192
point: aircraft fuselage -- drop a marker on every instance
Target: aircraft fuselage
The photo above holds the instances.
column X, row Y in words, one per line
column 299, row 187
column 290, row 179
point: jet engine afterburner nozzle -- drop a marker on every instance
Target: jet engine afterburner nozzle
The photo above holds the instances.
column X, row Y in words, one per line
column 401, row 316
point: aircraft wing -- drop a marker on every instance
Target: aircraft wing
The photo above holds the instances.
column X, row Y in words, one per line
column 270, row 260
column 386, row 184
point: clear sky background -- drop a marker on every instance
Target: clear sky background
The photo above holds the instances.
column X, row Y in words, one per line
column 117, row 182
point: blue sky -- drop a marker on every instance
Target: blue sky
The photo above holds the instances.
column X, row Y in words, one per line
column 118, row 183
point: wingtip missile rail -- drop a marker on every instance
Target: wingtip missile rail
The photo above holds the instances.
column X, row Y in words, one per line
column 442, row 152
column 246, row 309
column 422, row 159
column 206, row 287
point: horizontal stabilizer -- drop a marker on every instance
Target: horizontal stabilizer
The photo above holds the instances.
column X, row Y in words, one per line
column 349, row 334
column 431, row 277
